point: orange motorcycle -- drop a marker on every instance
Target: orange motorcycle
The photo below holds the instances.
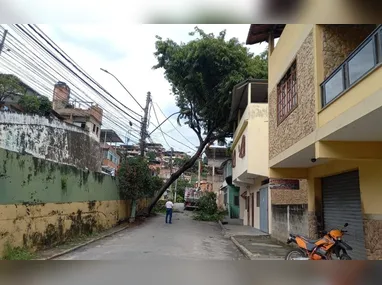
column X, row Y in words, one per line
column 322, row 249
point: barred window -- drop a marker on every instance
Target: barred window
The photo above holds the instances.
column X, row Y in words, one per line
column 287, row 94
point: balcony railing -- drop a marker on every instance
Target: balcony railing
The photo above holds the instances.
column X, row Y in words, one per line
column 363, row 60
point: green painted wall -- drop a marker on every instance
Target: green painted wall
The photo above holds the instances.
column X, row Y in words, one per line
column 26, row 179
column 234, row 210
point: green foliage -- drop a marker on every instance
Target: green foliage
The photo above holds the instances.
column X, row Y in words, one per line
column 151, row 155
column 30, row 104
column 160, row 207
column 16, row 253
column 202, row 74
column 45, row 105
column 181, row 186
column 134, row 177
column 156, row 185
column 39, row 105
column 208, row 209
column 9, row 86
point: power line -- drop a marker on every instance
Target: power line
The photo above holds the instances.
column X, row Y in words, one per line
column 160, row 127
column 173, row 125
column 47, row 76
column 26, row 64
column 68, row 59
column 69, row 69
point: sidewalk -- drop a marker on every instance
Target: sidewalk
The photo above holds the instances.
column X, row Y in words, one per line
column 253, row 243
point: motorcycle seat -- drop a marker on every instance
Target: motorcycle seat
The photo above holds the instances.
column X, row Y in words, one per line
column 313, row 241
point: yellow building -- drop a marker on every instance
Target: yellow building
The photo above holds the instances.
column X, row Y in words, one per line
column 325, row 102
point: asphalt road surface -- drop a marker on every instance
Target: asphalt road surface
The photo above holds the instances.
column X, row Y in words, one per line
column 184, row 239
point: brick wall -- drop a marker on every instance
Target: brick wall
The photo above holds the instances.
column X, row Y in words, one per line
column 301, row 122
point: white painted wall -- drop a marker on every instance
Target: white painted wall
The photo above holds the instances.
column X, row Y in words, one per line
column 257, row 139
column 49, row 139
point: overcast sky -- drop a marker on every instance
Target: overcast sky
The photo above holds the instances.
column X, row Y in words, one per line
column 127, row 52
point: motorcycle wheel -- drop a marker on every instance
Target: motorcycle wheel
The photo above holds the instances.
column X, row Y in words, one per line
column 345, row 257
column 295, row 253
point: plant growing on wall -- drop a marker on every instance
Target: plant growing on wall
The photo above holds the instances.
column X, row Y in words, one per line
column 202, row 74
column 9, row 86
column 39, row 105
column 135, row 181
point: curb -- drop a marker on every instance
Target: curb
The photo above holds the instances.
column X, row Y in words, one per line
column 250, row 255
column 84, row 244
column 223, row 228
column 243, row 250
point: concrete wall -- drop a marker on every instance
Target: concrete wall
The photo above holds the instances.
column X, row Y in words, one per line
column 48, row 139
column 289, row 219
column 302, row 121
column 43, row 203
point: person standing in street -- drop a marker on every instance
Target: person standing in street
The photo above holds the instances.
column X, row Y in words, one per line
column 169, row 206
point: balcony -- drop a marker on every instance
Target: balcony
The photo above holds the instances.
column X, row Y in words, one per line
column 352, row 94
column 249, row 112
column 364, row 60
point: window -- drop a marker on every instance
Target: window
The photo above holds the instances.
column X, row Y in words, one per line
column 258, row 199
column 94, row 128
column 287, row 94
column 97, row 131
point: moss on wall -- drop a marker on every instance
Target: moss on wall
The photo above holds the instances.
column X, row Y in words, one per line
column 26, row 179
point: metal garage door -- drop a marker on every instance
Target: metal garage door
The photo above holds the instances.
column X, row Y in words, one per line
column 342, row 204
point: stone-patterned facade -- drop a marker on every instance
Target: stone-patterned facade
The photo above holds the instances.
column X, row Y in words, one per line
column 312, row 222
column 301, row 122
column 291, row 197
column 373, row 236
column 339, row 41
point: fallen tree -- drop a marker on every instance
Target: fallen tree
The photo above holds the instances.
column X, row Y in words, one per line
column 202, row 74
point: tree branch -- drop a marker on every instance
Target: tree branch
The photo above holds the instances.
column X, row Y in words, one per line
column 178, row 173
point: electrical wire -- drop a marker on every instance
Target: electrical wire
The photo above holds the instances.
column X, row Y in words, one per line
column 69, row 69
column 45, row 65
column 26, row 64
column 161, row 128
column 173, row 124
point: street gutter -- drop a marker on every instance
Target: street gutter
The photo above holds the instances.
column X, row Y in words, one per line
column 84, row 244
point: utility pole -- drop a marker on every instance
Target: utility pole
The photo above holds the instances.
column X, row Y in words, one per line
column 171, row 170
column 144, row 124
column 176, row 189
column 213, row 171
column 3, row 41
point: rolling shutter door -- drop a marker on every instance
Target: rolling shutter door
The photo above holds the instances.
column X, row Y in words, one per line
column 342, row 204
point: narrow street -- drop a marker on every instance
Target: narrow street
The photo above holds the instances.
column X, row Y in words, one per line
column 185, row 239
